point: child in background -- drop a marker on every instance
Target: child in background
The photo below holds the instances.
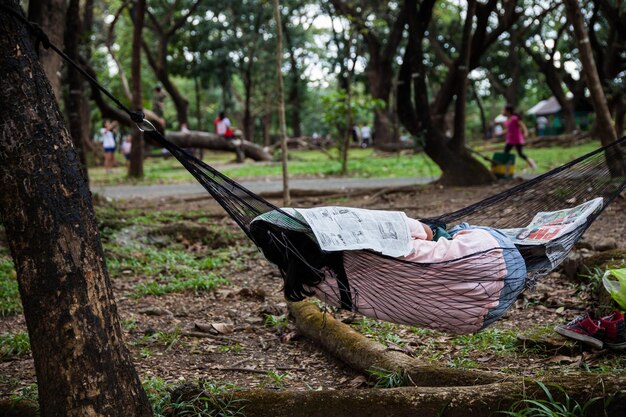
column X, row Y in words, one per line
column 126, row 147
column 108, row 145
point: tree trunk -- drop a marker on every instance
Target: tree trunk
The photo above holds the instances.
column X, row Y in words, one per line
column 205, row 140
column 458, row 140
column 281, row 102
column 457, row 165
column 604, row 123
column 74, row 99
column 266, row 122
column 295, row 93
column 135, row 168
column 247, row 107
column 50, row 16
column 82, row 366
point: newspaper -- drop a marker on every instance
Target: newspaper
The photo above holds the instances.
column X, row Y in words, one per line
column 550, row 225
column 549, row 237
column 347, row 228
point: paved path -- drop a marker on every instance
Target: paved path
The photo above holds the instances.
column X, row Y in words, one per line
column 125, row 192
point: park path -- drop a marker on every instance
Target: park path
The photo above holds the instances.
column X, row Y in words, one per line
column 127, row 192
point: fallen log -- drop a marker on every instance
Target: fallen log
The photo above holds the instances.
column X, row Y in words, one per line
column 206, row 140
column 471, row 401
column 363, row 354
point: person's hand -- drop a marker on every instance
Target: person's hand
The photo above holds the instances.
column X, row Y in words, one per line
column 429, row 232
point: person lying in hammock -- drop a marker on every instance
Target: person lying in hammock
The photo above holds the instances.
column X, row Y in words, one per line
column 459, row 283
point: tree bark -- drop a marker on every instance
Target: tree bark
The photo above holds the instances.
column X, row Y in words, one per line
column 82, row 366
column 604, row 123
column 281, row 103
column 205, row 140
column 74, row 99
column 135, row 168
column 457, row 165
column 50, row 16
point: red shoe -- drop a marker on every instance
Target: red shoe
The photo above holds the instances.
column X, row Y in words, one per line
column 614, row 333
column 583, row 329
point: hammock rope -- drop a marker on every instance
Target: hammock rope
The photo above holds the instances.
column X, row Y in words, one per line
column 459, row 295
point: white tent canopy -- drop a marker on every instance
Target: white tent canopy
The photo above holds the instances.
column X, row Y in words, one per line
column 544, row 107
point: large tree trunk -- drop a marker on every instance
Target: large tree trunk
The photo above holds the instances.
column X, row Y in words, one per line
column 135, row 168
column 75, row 99
column 50, row 16
column 457, row 165
column 82, row 366
column 248, row 122
column 206, row 140
column 604, row 123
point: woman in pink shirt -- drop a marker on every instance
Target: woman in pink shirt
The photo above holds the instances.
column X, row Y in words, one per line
column 515, row 133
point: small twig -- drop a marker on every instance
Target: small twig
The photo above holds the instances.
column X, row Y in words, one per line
column 212, row 336
column 251, row 370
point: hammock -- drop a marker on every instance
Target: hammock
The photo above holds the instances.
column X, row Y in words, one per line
column 460, row 295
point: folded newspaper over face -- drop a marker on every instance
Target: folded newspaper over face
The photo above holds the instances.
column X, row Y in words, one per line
column 547, row 226
column 346, row 228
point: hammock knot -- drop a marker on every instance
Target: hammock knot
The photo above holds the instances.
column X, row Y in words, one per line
column 137, row 116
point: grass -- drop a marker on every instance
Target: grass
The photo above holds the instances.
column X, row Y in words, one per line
column 382, row 331
column 14, row 344
column 169, row 270
column 10, row 302
column 383, row 378
column 363, row 163
column 278, row 323
column 212, row 400
column 551, row 406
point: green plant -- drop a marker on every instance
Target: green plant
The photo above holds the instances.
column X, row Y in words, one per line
column 383, row 378
column 14, row 344
column 10, row 302
column 551, row 406
column 209, row 399
column 276, row 322
column 277, row 379
column 232, row 348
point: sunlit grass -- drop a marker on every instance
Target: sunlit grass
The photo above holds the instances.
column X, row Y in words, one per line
column 363, row 163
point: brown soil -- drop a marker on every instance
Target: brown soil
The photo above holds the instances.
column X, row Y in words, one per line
column 256, row 355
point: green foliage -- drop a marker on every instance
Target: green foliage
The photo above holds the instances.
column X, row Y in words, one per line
column 168, row 339
column 231, row 348
column 491, row 339
column 172, row 399
column 14, row 344
column 383, row 378
column 278, row 323
column 10, row 302
column 551, row 406
column 276, row 379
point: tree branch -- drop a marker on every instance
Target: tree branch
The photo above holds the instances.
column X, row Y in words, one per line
column 182, row 20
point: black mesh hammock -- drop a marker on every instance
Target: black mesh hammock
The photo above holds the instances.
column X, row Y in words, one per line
column 458, row 295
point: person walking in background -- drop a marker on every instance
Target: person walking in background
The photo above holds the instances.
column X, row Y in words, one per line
column 515, row 132
column 108, row 145
column 542, row 123
column 366, row 136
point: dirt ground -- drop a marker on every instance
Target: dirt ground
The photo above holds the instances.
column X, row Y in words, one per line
column 164, row 333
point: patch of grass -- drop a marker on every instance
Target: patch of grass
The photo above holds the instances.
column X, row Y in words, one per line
column 278, row 323
column 169, row 270
column 27, row 393
column 365, row 163
column 14, row 344
column 173, row 399
column 382, row 378
column 551, row 406
column 10, row 302
column 230, row 348
column 276, row 379
column 169, row 339
column 382, row 331
column 492, row 340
